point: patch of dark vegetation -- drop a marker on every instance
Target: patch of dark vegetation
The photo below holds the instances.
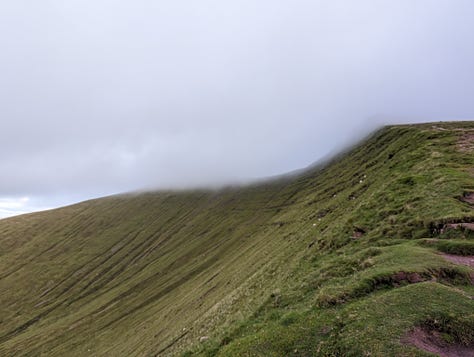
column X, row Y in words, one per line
column 387, row 242
column 278, row 223
column 289, row 319
column 456, row 247
column 465, row 248
column 321, row 213
column 453, row 276
column 357, row 193
column 358, row 232
column 408, row 181
column 444, row 336
column 270, row 308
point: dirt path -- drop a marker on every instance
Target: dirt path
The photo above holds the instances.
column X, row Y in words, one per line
column 432, row 341
column 460, row 259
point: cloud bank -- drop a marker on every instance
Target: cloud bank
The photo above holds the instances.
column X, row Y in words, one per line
column 101, row 96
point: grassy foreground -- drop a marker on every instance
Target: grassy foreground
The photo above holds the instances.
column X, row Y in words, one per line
column 342, row 260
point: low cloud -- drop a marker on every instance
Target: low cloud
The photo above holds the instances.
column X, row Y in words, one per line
column 100, row 97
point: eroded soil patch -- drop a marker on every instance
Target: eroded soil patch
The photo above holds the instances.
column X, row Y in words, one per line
column 468, row 198
column 467, row 260
column 358, row 233
column 468, row 226
column 466, row 142
column 433, row 341
column 460, row 259
column 411, row 278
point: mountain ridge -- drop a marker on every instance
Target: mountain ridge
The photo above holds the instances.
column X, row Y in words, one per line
column 250, row 270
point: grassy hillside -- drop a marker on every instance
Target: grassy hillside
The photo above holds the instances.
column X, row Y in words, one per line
column 344, row 259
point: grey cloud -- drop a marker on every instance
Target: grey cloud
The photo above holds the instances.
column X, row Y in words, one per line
column 99, row 97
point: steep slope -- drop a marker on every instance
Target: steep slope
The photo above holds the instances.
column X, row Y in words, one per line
column 344, row 258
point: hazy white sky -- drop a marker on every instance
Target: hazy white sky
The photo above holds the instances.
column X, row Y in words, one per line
column 102, row 96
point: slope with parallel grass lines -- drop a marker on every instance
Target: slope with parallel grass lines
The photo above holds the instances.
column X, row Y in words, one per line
column 345, row 258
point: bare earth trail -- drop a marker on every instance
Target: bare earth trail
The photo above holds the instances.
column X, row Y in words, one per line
column 467, row 260
column 432, row 341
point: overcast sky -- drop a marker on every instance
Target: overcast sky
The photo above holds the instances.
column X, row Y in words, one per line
column 105, row 96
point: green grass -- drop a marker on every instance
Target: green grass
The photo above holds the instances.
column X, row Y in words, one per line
column 370, row 326
column 342, row 259
column 451, row 246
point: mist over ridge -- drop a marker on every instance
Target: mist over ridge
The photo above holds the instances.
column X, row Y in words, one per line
column 100, row 97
